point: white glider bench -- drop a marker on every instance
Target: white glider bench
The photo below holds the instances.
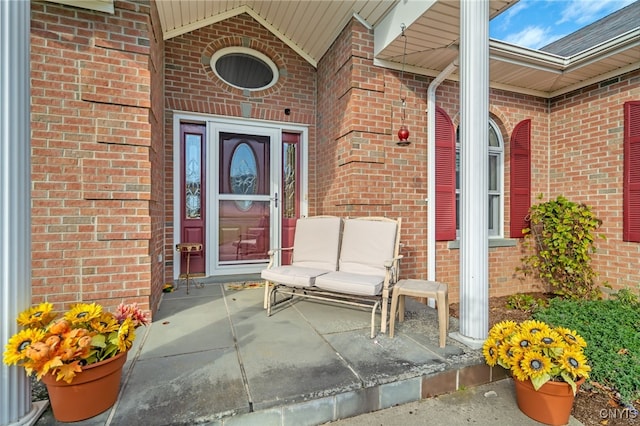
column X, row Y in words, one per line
column 354, row 261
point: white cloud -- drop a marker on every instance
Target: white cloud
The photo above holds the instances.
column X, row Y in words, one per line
column 512, row 12
column 536, row 23
column 584, row 12
column 533, row 37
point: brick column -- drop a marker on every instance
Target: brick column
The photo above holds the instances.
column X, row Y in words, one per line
column 15, row 203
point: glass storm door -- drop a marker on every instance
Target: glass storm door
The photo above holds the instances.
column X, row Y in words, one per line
column 244, row 199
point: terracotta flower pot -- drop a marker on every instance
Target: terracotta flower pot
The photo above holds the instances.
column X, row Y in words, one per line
column 91, row 392
column 551, row 404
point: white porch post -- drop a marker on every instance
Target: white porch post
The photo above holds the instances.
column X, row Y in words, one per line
column 15, row 203
column 474, row 127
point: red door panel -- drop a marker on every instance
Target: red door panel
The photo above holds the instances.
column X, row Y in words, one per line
column 290, row 191
column 192, row 194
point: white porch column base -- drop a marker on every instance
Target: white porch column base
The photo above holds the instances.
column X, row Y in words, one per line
column 32, row 416
column 467, row 341
column 16, row 407
column 474, row 135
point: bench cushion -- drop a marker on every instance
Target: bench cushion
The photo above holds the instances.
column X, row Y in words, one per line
column 317, row 242
column 366, row 246
column 351, row 283
column 293, row 275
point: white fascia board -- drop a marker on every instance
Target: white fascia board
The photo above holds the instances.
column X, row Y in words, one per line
column 615, row 45
column 511, row 53
column 538, row 59
column 105, row 6
column 404, row 12
column 286, row 40
column 204, row 22
column 596, row 79
column 455, row 77
column 235, row 12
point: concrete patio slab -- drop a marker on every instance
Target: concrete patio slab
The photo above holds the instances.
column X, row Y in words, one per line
column 183, row 389
column 214, row 357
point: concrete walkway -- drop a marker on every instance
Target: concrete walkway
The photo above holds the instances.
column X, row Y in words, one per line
column 213, row 357
column 493, row 404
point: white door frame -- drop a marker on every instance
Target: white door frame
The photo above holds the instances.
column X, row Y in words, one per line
column 215, row 125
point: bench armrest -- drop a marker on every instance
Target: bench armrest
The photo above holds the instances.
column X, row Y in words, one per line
column 392, row 262
column 272, row 253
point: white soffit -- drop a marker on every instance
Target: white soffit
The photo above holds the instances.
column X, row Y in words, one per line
column 432, row 38
column 308, row 27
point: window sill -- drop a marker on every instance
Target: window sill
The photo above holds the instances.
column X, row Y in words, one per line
column 493, row 243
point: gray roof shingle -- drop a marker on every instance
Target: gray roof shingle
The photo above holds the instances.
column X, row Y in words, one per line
column 611, row 26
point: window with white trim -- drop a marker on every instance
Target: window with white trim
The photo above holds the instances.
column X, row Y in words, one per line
column 244, row 68
column 496, row 181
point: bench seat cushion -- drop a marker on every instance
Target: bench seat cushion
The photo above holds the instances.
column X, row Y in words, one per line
column 292, row 275
column 351, row 283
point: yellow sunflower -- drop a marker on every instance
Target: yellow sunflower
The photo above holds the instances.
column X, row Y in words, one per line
column 522, row 339
column 16, row 348
column 508, row 355
column 575, row 363
column 535, row 364
column 490, row 351
column 534, row 326
column 83, row 313
column 503, row 329
column 126, row 335
column 571, row 337
column 548, row 339
column 105, row 323
column 37, row 316
column 516, row 369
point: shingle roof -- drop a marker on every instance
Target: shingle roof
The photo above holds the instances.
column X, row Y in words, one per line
column 613, row 25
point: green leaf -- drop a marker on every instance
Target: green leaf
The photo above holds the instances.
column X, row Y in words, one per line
column 567, row 378
column 98, row 341
column 538, row 381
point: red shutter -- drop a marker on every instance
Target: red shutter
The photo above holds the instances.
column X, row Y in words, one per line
column 631, row 185
column 520, row 190
column 445, row 177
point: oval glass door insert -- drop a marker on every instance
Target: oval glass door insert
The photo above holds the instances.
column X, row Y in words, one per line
column 243, row 174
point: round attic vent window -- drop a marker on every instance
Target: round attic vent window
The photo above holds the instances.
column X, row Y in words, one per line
column 244, row 68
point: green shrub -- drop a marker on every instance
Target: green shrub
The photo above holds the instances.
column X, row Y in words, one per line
column 611, row 329
column 525, row 302
column 559, row 244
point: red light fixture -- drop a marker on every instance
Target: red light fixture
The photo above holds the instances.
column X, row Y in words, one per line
column 403, row 133
column 403, row 136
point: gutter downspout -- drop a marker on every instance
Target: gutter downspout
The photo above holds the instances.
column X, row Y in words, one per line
column 431, row 160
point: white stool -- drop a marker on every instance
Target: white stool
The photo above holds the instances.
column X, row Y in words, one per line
column 421, row 288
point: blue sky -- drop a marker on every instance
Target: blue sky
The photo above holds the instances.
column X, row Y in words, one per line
column 536, row 23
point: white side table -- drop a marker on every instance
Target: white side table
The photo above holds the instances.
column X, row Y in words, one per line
column 421, row 288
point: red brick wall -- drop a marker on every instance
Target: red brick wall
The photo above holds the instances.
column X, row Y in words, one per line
column 586, row 166
column 157, row 158
column 191, row 86
column 91, row 165
column 102, row 147
column 361, row 170
column 576, row 142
